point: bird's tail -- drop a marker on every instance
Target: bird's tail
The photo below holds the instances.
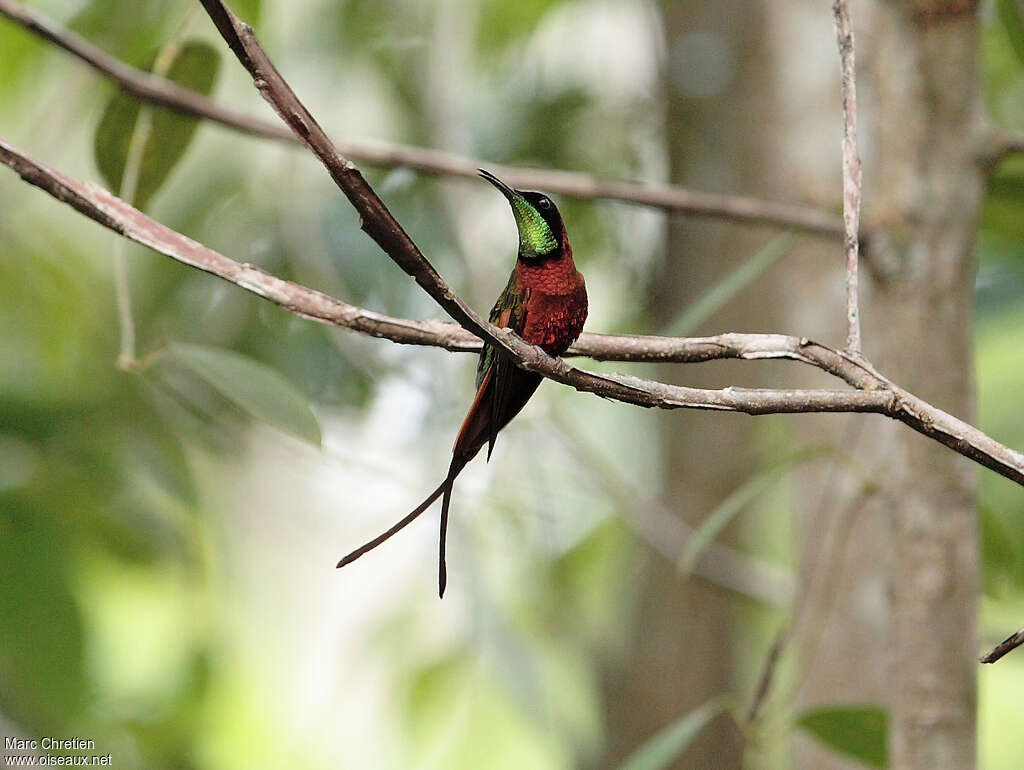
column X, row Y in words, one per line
column 445, row 489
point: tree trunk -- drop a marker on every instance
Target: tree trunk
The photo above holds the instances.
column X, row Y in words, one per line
column 681, row 654
column 912, row 647
column 927, row 188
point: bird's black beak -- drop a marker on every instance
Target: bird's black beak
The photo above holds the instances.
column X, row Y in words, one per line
column 507, row 191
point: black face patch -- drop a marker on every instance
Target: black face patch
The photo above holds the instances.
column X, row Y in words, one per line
column 546, row 208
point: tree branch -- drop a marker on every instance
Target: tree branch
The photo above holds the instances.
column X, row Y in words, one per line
column 669, row 197
column 874, row 394
column 378, row 222
column 112, row 212
column 1005, row 646
column 1002, row 145
column 851, row 169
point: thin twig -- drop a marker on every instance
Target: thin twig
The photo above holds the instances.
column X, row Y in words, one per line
column 122, row 284
column 123, row 298
column 767, row 677
column 140, row 136
column 157, row 90
column 1004, row 647
column 875, row 393
column 851, row 170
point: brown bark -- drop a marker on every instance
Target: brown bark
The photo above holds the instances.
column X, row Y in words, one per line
column 681, row 650
column 929, row 182
column 913, row 645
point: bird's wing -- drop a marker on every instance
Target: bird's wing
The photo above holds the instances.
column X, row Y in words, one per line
column 502, row 388
column 509, row 312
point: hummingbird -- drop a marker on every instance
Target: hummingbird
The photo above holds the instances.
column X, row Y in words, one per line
column 545, row 303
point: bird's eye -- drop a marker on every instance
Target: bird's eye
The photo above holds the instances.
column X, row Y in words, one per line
column 544, row 203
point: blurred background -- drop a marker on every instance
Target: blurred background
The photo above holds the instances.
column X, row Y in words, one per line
column 168, row 538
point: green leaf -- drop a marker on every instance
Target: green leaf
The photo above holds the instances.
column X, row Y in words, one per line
column 259, row 390
column 192, row 64
column 666, row 745
column 1013, row 21
column 722, row 292
column 502, row 22
column 860, row 732
column 999, row 551
column 41, row 636
column 737, row 500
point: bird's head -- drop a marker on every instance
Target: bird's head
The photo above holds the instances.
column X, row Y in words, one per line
column 541, row 232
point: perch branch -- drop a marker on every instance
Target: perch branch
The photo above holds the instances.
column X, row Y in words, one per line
column 851, row 170
column 112, row 212
column 874, row 393
column 378, row 222
column 669, row 197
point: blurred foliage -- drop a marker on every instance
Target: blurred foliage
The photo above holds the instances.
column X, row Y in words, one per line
column 140, row 607
column 113, row 562
column 254, row 387
column 740, row 499
column 1011, row 17
column 1000, row 307
column 693, row 316
column 665, row 748
column 167, row 133
column 860, row 732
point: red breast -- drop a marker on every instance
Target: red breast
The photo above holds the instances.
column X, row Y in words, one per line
column 557, row 305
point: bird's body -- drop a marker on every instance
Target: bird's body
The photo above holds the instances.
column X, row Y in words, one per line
column 545, row 303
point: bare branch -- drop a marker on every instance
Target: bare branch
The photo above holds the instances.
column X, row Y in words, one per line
column 1005, row 646
column 875, row 394
column 1001, row 145
column 669, row 197
column 851, row 170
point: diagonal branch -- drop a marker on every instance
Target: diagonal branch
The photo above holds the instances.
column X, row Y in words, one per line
column 851, row 169
column 1007, row 645
column 669, row 197
column 874, row 394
